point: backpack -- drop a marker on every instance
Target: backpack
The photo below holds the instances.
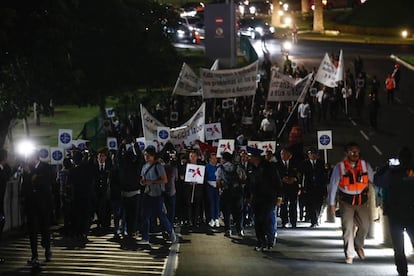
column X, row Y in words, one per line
column 231, row 178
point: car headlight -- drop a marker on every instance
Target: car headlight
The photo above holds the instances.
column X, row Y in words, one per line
column 180, row 33
column 287, row 45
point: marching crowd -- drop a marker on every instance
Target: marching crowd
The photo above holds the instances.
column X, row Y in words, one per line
column 131, row 191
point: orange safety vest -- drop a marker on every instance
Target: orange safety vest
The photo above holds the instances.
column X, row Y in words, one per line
column 354, row 181
column 390, row 83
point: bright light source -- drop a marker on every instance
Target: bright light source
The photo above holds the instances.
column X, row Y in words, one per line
column 25, row 148
column 288, row 21
column 252, row 10
column 281, row 13
column 404, row 34
column 287, row 45
column 285, row 6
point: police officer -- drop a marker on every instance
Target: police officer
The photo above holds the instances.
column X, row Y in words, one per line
column 350, row 179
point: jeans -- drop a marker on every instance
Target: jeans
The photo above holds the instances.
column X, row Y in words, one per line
column 170, row 202
column 232, row 204
column 273, row 222
column 214, row 201
column 152, row 207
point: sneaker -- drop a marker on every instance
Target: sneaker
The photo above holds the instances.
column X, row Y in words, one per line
column 211, row 223
column 265, row 249
column 227, row 233
column 349, row 260
column 240, row 233
column 217, row 223
column 258, row 248
column 173, row 236
column 144, row 242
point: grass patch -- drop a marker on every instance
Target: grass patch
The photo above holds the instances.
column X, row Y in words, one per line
column 66, row 117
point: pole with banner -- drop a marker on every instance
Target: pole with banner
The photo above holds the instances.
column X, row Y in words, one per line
column 325, row 142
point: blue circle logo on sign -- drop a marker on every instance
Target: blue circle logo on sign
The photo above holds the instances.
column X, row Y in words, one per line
column 163, row 134
column 65, row 138
column 324, row 140
column 57, row 155
column 141, row 145
column 44, row 153
column 112, row 144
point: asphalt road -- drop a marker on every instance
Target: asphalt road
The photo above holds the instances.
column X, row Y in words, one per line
column 394, row 121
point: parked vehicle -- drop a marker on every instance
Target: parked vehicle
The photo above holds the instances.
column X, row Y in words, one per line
column 255, row 28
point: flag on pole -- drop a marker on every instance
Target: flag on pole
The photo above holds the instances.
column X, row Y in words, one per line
column 340, row 70
column 327, row 72
column 188, row 84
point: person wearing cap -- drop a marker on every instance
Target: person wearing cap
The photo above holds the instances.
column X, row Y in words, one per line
column 5, row 173
column 264, row 191
column 229, row 178
column 314, row 183
column 350, row 179
column 290, row 177
column 37, row 199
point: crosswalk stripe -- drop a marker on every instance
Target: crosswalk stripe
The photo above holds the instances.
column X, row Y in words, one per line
column 100, row 256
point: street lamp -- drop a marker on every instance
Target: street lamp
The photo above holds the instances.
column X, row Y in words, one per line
column 404, row 34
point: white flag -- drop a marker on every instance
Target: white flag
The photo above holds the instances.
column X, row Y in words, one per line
column 188, row 84
column 327, row 72
column 340, row 70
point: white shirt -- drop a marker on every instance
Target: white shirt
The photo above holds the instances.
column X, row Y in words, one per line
column 304, row 110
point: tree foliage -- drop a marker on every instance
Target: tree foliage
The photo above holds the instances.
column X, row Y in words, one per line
column 79, row 51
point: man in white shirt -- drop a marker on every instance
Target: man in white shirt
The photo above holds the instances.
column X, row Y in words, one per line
column 304, row 114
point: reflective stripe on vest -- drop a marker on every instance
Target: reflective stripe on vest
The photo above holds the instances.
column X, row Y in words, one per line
column 353, row 188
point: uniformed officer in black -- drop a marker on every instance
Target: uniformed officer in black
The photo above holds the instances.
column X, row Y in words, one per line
column 37, row 200
column 102, row 169
column 315, row 180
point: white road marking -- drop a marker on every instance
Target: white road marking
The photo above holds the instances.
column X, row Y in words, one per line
column 353, row 122
column 364, row 135
column 377, row 149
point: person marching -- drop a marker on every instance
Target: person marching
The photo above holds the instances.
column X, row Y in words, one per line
column 351, row 177
column 397, row 183
column 390, row 87
column 264, row 191
column 37, row 197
